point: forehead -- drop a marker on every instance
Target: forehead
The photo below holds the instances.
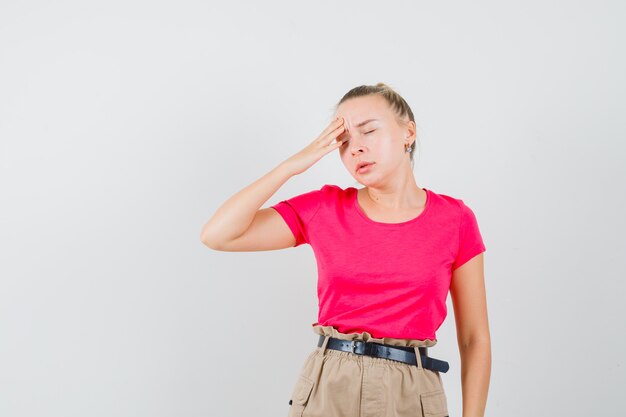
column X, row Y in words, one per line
column 359, row 109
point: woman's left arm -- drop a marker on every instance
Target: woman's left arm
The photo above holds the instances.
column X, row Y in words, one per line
column 469, row 301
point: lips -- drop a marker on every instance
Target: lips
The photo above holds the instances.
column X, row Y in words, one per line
column 363, row 164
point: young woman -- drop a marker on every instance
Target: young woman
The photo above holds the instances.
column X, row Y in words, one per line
column 387, row 256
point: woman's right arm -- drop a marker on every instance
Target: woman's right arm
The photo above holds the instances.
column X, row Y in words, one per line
column 240, row 225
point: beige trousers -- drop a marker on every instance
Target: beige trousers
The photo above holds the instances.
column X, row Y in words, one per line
column 334, row 383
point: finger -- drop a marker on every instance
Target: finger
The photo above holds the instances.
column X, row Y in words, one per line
column 332, row 126
column 334, row 134
column 336, row 144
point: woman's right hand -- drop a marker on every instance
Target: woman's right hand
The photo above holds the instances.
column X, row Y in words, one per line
column 323, row 144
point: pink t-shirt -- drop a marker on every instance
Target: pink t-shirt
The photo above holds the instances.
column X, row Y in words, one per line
column 388, row 279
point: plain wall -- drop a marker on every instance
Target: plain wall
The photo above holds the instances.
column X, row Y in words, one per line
column 124, row 125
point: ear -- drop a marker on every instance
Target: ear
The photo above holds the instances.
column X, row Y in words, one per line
column 411, row 129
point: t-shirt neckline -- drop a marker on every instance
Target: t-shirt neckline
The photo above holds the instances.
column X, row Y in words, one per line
column 359, row 210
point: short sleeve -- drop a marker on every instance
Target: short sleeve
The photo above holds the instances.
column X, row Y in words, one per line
column 470, row 239
column 298, row 212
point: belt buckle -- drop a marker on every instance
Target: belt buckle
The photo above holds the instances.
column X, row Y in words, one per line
column 353, row 347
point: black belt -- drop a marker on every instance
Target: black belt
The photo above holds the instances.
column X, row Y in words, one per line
column 403, row 354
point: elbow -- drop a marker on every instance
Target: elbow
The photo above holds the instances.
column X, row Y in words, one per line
column 211, row 245
column 208, row 241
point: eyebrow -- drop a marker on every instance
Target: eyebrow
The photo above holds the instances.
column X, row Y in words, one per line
column 364, row 122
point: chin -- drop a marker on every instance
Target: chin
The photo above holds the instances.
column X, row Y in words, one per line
column 366, row 181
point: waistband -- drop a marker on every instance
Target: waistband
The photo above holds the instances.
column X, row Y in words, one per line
column 367, row 337
column 395, row 353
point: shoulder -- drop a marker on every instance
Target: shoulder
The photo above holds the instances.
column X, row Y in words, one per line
column 452, row 206
column 313, row 199
column 329, row 196
column 335, row 191
column 446, row 202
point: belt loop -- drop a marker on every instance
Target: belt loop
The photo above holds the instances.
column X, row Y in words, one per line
column 319, row 359
column 418, row 357
column 324, row 344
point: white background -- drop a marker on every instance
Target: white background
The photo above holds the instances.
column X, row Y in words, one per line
column 125, row 124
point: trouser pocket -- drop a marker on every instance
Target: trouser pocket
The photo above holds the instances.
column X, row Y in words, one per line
column 434, row 404
column 300, row 396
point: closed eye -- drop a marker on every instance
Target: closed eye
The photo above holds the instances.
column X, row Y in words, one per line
column 366, row 133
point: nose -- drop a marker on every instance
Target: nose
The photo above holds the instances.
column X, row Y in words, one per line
column 355, row 144
column 353, row 137
column 356, row 150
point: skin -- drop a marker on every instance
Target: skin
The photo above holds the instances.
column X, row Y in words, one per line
column 391, row 195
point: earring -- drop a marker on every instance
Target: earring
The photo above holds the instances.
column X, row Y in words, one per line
column 409, row 149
